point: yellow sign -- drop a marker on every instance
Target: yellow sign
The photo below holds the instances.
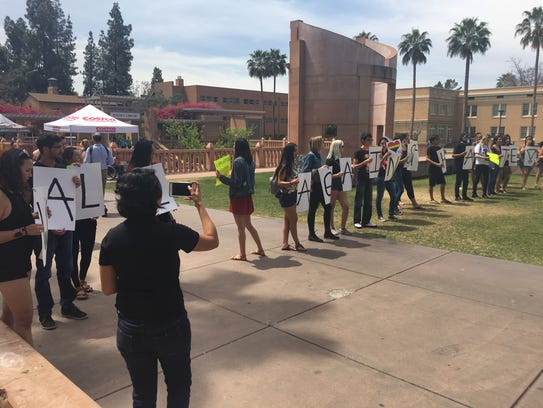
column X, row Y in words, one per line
column 222, row 165
column 494, row 158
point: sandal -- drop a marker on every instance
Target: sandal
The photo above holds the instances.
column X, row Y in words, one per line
column 300, row 248
column 238, row 258
column 81, row 294
column 259, row 252
column 288, row 248
column 86, row 287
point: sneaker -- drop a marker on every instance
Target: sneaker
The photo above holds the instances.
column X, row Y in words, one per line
column 47, row 323
column 392, row 217
column 457, row 198
column 370, row 225
column 475, row 196
column 334, row 231
column 329, row 235
column 345, row 231
column 467, row 199
column 73, row 312
column 382, row 219
column 357, row 225
column 314, row 238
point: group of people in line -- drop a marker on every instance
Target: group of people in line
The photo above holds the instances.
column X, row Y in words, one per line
column 152, row 321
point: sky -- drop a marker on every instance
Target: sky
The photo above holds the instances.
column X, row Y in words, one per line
column 209, row 42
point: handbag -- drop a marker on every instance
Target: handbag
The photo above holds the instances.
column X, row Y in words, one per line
column 274, row 186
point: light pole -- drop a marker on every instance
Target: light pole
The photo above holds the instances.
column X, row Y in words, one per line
column 499, row 132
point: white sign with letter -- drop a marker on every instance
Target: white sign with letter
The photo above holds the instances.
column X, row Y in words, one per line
column 392, row 164
column 347, row 178
column 530, row 156
column 412, row 156
column 304, row 189
column 325, row 175
column 40, row 206
column 89, row 197
column 442, row 160
column 468, row 159
column 167, row 202
column 373, row 166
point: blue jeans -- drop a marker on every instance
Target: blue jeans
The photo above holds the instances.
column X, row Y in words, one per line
column 142, row 344
column 391, row 189
column 59, row 247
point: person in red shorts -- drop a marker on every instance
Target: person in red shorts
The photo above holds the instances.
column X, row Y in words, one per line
column 242, row 187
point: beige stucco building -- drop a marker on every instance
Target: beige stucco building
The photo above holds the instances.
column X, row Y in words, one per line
column 339, row 83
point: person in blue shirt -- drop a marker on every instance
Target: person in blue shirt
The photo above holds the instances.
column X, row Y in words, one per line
column 312, row 163
column 98, row 153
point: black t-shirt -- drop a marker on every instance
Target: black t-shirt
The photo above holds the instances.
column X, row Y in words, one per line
column 361, row 155
column 432, row 155
column 145, row 256
column 336, row 182
column 459, row 161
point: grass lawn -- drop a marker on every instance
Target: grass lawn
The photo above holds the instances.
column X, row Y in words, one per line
column 507, row 226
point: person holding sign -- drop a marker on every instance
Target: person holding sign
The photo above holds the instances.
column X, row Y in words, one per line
column 382, row 185
column 59, row 247
column 462, row 175
column 17, row 236
column 337, row 194
column 505, row 174
column 242, row 187
column 406, row 176
column 364, row 189
column 481, row 166
column 312, row 163
column 522, row 160
column 288, row 182
column 493, row 167
column 435, row 171
column 139, row 261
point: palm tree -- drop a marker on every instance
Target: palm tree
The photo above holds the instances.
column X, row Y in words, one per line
column 413, row 47
column 530, row 31
column 467, row 38
column 278, row 66
column 369, row 35
column 258, row 66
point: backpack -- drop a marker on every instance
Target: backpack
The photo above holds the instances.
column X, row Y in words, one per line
column 274, row 186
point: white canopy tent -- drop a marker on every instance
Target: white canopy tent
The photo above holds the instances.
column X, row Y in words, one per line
column 8, row 126
column 90, row 120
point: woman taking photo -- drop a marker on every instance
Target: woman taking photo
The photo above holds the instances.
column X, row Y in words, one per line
column 287, row 180
column 139, row 261
column 17, row 232
column 337, row 193
column 242, row 187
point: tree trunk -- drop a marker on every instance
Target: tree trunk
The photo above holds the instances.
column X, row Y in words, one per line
column 262, row 104
column 466, row 82
column 414, row 99
column 534, row 97
column 274, row 103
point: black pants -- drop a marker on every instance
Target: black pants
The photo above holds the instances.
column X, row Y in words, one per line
column 407, row 180
column 462, row 179
column 84, row 237
column 362, row 200
column 481, row 173
column 316, row 197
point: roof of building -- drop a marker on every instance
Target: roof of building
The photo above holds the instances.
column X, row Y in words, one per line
column 56, row 98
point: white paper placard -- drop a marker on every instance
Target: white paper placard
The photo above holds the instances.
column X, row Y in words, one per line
column 442, row 160
column 325, row 175
column 89, row 196
column 40, row 206
column 412, row 156
column 468, row 158
column 167, row 202
column 373, row 166
column 345, row 166
column 303, row 191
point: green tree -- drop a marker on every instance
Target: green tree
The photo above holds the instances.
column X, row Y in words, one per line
column 278, row 66
column 157, row 76
column 115, row 55
column 15, row 74
column 51, row 46
column 90, row 68
column 228, row 136
column 258, row 67
column 187, row 136
column 468, row 38
column 369, row 35
column 530, row 31
column 414, row 47
column 507, row 79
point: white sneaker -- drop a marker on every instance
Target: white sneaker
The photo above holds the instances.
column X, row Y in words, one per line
column 358, row 225
column 345, row 231
column 382, row 219
column 334, row 231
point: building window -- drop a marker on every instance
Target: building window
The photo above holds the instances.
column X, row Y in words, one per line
column 433, row 108
column 443, row 110
column 472, row 111
column 527, row 109
column 449, row 134
column 499, row 107
column 284, row 103
column 329, row 130
column 525, row 131
column 202, row 98
column 494, row 131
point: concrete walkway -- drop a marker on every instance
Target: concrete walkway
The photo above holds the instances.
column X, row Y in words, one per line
column 360, row 322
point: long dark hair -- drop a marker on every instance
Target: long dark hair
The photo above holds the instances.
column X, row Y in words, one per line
column 241, row 149
column 142, row 154
column 138, row 192
column 10, row 170
column 287, row 159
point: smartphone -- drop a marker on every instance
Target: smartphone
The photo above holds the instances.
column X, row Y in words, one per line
column 180, row 189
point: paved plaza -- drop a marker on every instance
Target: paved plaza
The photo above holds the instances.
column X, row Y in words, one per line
column 360, row 322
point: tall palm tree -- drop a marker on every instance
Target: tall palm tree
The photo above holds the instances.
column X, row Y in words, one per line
column 467, row 38
column 369, row 35
column 414, row 47
column 530, row 31
column 258, row 66
column 278, row 66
